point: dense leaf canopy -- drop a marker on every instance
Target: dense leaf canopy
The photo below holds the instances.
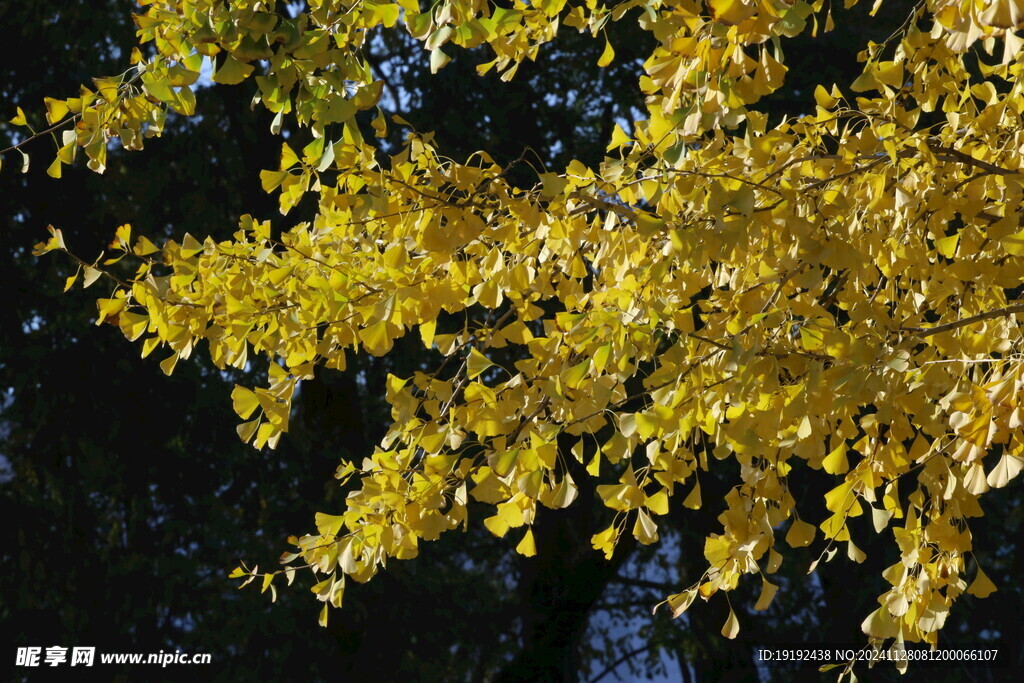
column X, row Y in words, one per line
column 723, row 295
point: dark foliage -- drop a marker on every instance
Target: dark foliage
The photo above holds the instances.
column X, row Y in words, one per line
column 126, row 496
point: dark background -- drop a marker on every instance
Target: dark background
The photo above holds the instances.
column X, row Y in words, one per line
column 126, row 497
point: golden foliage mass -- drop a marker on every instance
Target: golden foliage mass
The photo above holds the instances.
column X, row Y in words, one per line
column 715, row 289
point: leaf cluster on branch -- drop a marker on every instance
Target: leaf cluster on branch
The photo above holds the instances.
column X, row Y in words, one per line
column 837, row 291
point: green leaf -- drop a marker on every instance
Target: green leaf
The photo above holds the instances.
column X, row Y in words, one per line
column 647, row 224
column 438, row 59
column 676, row 153
column 232, row 71
column 336, row 110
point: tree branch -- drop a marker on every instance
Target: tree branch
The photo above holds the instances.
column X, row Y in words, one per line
column 629, row 655
column 643, row 583
column 596, row 203
column 965, row 158
column 59, row 124
column 988, row 315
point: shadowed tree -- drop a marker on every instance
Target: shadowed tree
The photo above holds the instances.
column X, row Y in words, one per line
column 145, row 483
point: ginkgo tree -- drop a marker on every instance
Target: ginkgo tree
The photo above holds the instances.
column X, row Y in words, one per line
column 839, row 291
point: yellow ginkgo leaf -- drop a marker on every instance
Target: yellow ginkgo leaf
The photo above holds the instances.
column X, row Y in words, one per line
column 376, row 339
column 607, row 55
column 800, row 534
column 768, row 591
column 245, row 401
column 982, row 586
column 880, row 624
column 731, row 628
column 476, row 363
column 527, row 547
